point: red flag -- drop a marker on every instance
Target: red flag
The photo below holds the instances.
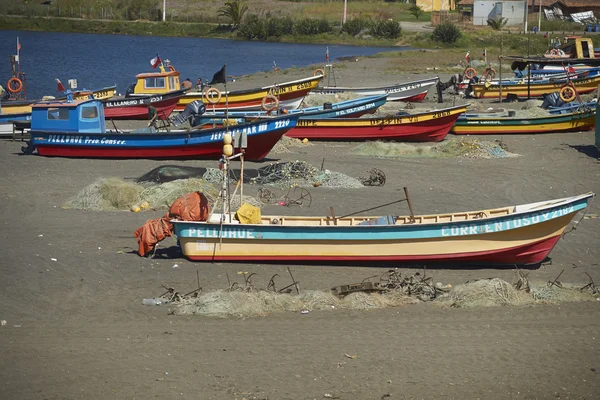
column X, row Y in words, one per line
column 155, row 61
column 18, row 45
column 327, row 54
column 468, row 55
column 60, row 88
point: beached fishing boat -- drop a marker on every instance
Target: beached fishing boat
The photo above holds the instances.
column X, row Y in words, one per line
column 598, row 126
column 136, row 107
column 429, row 126
column 77, row 129
column 345, row 109
column 515, row 235
column 410, row 91
column 523, row 89
column 7, row 121
column 576, row 121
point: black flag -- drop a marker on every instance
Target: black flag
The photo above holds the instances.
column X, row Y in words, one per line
column 219, row 77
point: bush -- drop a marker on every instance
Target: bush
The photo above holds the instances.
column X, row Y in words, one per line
column 355, row 26
column 309, row 26
column 416, row 11
column 277, row 27
column 252, row 27
column 446, row 32
column 387, row 29
column 497, row 24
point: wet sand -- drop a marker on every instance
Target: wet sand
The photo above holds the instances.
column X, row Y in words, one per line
column 76, row 328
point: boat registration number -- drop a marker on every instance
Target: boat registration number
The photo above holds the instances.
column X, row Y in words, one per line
column 103, row 94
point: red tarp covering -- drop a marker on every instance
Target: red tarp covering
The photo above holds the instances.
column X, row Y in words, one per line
column 191, row 207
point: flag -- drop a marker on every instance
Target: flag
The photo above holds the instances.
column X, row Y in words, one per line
column 468, row 55
column 546, row 34
column 155, row 61
column 484, row 53
column 219, row 77
column 60, row 86
column 327, row 54
column 18, row 45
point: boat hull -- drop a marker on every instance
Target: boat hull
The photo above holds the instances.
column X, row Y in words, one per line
column 575, row 122
column 424, row 127
column 521, row 238
column 410, row 91
column 12, row 107
column 137, row 107
column 262, row 136
column 522, row 90
column 290, row 95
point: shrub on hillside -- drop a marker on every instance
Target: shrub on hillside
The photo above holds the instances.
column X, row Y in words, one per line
column 277, row 27
column 252, row 27
column 446, row 32
column 310, row 26
column 387, row 29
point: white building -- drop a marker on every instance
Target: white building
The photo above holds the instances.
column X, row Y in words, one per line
column 513, row 11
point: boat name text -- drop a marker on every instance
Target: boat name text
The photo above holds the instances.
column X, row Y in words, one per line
column 217, row 233
column 83, row 140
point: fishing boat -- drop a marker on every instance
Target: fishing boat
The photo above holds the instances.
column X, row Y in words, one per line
column 598, row 126
column 289, row 94
column 7, row 121
column 136, row 107
column 576, row 121
column 77, row 129
column 514, row 235
column 429, row 126
column 345, row 109
column 524, row 89
column 414, row 91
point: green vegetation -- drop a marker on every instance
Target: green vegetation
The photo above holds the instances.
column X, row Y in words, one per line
column 446, row 32
column 416, row 11
column 497, row 23
column 387, row 29
column 234, row 11
column 356, row 26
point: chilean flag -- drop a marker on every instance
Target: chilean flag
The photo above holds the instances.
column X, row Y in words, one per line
column 155, row 61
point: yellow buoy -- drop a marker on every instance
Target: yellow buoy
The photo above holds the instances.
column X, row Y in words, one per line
column 227, row 150
column 305, row 140
column 135, row 208
column 227, row 139
column 144, row 205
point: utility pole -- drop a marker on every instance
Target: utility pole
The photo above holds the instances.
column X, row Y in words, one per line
column 344, row 19
column 526, row 15
column 540, row 18
column 164, row 10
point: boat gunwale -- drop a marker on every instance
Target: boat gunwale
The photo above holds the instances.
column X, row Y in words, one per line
column 261, row 89
column 351, row 89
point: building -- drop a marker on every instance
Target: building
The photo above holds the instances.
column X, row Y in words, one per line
column 436, row 5
column 482, row 10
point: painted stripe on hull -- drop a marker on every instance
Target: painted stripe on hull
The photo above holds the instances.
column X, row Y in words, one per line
column 164, row 109
column 532, row 253
column 426, row 131
column 258, row 148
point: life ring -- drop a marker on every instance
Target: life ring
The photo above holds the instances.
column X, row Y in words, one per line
column 172, row 68
column 210, row 93
column 270, row 103
column 319, row 71
column 19, row 85
column 489, row 74
column 568, row 93
column 470, row 73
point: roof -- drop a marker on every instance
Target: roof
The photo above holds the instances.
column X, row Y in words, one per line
column 580, row 3
column 549, row 3
column 56, row 104
column 156, row 74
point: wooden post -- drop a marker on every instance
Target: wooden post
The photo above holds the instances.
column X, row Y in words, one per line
column 412, row 213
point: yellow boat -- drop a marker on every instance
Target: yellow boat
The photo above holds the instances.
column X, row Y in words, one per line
column 520, row 89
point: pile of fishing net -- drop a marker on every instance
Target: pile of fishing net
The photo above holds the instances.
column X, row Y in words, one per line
column 285, row 143
column 497, row 292
column 464, row 147
column 242, row 304
column 287, row 174
column 112, row 194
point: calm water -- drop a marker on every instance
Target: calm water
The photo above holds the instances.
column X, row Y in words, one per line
column 102, row 60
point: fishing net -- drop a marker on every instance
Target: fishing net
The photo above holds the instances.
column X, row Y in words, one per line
column 287, row 174
column 484, row 293
column 560, row 294
column 285, row 143
column 113, row 194
column 242, row 304
column 456, row 147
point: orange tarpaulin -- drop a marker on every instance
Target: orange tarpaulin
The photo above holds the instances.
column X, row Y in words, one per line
column 191, row 207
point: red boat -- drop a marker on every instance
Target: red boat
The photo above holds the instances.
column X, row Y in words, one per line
column 430, row 126
column 136, row 107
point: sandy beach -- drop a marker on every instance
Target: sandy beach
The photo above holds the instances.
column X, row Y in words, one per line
column 73, row 284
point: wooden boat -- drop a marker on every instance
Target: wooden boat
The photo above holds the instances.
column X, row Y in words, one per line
column 24, row 106
column 7, row 121
column 521, row 89
column 77, row 129
column 515, row 235
column 598, row 126
column 344, row 109
column 136, row 107
column 571, row 107
column 583, row 120
column 410, row 91
column 429, row 126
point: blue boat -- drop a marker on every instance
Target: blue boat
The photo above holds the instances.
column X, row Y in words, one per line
column 7, row 121
column 345, row 109
column 598, row 126
column 77, row 129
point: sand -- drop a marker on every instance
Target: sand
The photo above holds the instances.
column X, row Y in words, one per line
column 72, row 287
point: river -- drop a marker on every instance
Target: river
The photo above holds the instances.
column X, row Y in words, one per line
column 99, row 60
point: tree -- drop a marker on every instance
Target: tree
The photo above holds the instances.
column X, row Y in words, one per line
column 497, row 23
column 235, row 11
column 416, row 10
